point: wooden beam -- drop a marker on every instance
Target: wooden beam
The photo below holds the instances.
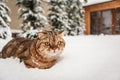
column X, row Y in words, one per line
column 101, row 21
column 114, row 20
column 87, row 22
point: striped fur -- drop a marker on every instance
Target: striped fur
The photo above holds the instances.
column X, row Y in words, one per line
column 42, row 52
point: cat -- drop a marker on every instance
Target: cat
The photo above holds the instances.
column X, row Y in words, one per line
column 41, row 53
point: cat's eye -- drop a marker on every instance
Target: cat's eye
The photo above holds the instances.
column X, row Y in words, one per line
column 47, row 43
column 59, row 42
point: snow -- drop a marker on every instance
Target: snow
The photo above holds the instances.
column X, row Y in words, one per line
column 16, row 31
column 5, row 32
column 84, row 58
column 91, row 2
column 3, row 42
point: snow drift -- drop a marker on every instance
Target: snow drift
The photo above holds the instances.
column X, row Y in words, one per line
column 84, row 58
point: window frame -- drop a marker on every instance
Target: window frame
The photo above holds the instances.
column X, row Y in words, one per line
column 110, row 5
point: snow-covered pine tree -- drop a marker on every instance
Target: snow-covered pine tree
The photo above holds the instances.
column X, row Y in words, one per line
column 58, row 17
column 5, row 31
column 67, row 15
column 31, row 12
column 75, row 17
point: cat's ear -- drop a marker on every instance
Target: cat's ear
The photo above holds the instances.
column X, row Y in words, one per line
column 40, row 34
column 61, row 33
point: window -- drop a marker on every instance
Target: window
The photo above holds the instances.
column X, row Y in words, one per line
column 101, row 22
column 103, row 18
column 95, row 22
column 118, row 21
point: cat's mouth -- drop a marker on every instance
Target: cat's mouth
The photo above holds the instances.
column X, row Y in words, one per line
column 53, row 53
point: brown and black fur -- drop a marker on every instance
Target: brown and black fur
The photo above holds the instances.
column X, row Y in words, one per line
column 35, row 53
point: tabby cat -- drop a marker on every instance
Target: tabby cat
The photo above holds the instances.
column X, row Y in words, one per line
column 42, row 52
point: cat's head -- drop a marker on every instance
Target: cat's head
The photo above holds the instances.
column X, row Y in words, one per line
column 50, row 44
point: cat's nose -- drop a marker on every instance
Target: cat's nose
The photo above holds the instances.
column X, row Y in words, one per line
column 54, row 47
column 54, row 50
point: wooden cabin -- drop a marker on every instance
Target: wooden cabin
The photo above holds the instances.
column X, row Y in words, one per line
column 103, row 18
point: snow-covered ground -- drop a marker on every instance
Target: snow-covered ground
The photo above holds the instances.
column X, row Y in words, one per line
column 84, row 58
column 4, row 42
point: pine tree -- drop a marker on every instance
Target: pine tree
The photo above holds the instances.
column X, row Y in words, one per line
column 76, row 17
column 4, row 21
column 58, row 17
column 67, row 15
column 31, row 12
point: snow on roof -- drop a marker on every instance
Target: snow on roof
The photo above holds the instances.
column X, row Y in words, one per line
column 91, row 2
